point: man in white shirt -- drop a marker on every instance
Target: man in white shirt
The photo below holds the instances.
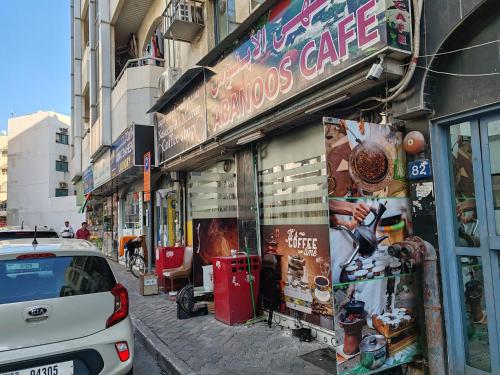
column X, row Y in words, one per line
column 66, row 231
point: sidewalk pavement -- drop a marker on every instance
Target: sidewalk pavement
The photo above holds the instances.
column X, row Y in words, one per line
column 203, row 345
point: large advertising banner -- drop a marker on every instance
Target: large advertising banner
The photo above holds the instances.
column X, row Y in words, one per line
column 297, row 45
column 212, row 238
column 305, row 270
column 183, row 126
column 375, row 287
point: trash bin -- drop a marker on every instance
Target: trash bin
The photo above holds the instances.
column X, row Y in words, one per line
column 232, row 297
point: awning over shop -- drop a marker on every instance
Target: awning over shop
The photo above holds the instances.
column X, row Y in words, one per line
column 125, row 163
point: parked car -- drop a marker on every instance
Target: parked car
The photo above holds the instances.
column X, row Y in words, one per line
column 13, row 232
column 62, row 311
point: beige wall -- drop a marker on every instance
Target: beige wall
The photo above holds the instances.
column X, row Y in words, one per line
column 3, row 165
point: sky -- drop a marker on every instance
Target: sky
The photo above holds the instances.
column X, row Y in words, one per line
column 35, row 63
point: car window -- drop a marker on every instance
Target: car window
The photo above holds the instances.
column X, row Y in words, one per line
column 42, row 278
column 26, row 234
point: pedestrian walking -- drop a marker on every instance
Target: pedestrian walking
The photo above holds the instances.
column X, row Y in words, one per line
column 83, row 233
column 67, row 231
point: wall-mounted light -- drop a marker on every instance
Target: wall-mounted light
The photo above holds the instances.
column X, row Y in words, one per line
column 334, row 101
column 250, row 138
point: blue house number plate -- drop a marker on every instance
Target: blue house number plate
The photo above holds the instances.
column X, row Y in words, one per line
column 419, row 169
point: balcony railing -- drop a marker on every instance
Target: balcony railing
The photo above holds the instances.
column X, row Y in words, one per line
column 183, row 20
column 133, row 63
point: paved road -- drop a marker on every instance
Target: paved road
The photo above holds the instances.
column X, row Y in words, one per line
column 144, row 364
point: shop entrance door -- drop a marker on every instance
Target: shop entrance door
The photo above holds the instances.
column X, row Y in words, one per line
column 467, row 177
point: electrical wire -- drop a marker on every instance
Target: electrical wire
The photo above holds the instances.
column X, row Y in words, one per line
column 459, row 74
column 461, row 49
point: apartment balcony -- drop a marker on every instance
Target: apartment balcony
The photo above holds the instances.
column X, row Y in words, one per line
column 134, row 92
column 183, row 20
column 85, row 68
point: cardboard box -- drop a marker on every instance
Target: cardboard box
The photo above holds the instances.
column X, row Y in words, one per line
column 148, row 285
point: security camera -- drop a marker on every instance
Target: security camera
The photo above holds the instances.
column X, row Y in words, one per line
column 376, row 70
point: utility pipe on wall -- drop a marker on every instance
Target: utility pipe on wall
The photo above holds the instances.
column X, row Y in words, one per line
column 423, row 253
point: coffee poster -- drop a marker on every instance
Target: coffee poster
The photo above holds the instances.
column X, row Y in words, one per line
column 212, row 238
column 305, row 270
column 375, row 289
column 364, row 160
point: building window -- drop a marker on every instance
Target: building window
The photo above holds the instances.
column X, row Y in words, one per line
column 5, row 152
column 61, row 192
column 226, row 18
column 61, row 166
column 62, row 138
column 3, row 188
column 4, row 171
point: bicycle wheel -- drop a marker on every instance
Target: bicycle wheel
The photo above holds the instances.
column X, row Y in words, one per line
column 137, row 266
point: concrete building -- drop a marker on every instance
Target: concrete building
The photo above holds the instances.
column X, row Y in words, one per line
column 41, row 192
column 253, row 147
column 3, row 178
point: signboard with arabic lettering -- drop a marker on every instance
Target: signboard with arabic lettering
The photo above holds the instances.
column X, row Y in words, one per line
column 183, row 126
column 297, row 45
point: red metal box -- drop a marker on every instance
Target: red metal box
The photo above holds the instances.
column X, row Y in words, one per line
column 232, row 297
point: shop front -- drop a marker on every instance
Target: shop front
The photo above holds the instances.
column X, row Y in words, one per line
column 266, row 173
column 127, row 176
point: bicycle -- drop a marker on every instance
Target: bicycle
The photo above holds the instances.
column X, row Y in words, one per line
column 135, row 263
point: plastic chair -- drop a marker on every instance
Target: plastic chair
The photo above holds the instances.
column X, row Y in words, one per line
column 182, row 272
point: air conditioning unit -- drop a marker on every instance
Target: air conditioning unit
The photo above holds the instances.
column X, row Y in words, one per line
column 168, row 78
column 63, row 158
column 63, row 185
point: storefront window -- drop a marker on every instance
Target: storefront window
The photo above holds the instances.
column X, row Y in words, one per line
column 460, row 160
column 494, row 146
column 475, row 319
column 132, row 219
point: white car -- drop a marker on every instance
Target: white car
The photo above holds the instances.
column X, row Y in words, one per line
column 61, row 311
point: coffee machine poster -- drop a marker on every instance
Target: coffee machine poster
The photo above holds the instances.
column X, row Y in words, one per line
column 364, row 159
column 212, row 238
column 306, row 284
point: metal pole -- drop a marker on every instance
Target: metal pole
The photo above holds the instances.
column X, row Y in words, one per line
column 150, row 229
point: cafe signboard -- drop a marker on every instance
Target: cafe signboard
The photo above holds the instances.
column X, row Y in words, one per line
column 294, row 47
column 297, row 45
column 184, row 125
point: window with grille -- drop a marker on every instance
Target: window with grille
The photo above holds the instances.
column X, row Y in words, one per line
column 62, row 138
column 61, row 192
column 62, row 166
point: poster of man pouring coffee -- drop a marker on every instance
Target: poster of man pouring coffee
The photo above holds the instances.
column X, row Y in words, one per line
column 374, row 285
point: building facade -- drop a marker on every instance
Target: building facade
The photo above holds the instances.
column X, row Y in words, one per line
column 279, row 126
column 38, row 167
column 3, row 178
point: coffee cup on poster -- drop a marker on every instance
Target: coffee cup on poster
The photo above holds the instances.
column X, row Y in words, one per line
column 369, row 268
column 378, row 271
column 350, row 272
column 395, row 268
column 321, row 283
column 361, row 275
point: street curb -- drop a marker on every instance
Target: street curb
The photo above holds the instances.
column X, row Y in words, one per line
column 167, row 359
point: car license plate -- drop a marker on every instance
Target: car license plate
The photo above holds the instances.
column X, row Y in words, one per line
column 62, row 368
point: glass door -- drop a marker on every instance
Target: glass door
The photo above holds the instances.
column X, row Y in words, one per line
column 468, row 201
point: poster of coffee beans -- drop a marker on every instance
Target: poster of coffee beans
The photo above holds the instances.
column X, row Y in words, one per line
column 374, row 283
